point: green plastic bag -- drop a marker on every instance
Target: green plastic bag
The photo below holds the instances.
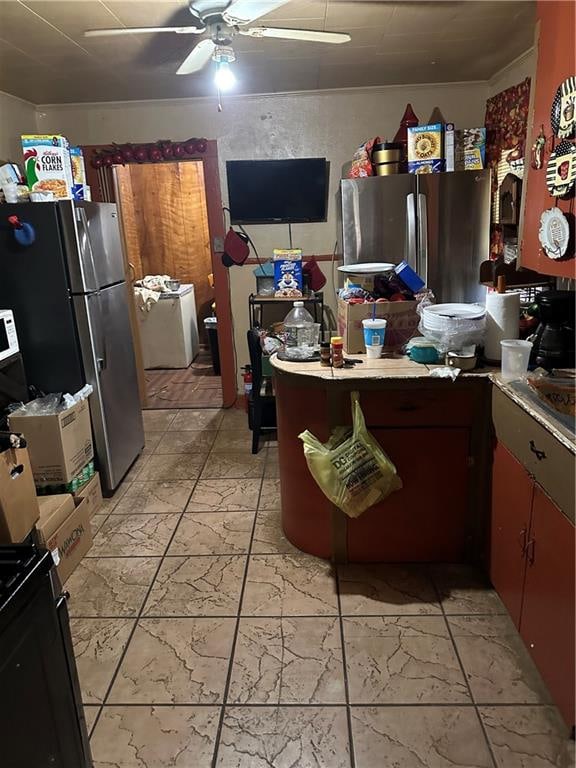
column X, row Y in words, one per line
column 351, row 469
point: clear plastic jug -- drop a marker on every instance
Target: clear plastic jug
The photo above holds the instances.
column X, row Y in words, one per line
column 300, row 329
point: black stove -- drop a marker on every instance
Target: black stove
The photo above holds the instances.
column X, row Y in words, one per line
column 42, row 721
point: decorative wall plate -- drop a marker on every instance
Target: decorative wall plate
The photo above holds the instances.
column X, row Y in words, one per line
column 561, row 169
column 563, row 113
column 554, row 233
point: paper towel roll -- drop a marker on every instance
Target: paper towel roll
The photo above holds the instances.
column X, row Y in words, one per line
column 502, row 322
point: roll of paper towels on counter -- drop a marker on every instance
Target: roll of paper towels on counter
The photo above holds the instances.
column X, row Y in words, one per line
column 502, row 322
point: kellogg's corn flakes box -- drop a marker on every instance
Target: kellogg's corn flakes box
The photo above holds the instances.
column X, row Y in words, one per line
column 47, row 164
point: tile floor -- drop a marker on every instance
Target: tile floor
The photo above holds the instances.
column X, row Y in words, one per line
column 205, row 640
column 194, row 387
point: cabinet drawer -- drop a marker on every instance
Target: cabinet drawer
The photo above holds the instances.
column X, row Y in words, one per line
column 423, row 407
column 551, row 464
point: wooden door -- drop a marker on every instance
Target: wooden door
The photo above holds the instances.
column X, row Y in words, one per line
column 426, row 519
column 555, row 46
column 547, row 623
column 512, row 490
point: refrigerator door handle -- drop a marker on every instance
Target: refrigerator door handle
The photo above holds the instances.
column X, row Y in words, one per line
column 423, row 237
column 411, row 231
column 86, row 245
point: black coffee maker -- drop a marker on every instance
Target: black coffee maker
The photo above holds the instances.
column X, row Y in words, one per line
column 554, row 340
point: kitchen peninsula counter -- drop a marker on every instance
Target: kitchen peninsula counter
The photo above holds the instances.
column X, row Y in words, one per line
column 437, row 432
column 434, row 430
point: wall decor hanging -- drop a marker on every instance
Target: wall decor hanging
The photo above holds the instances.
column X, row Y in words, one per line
column 157, row 152
column 563, row 113
column 554, row 233
column 561, row 169
column 537, row 152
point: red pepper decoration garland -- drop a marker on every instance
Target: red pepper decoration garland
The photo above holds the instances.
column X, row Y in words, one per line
column 122, row 154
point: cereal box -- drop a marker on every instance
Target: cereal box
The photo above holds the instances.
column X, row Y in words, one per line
column 47, row 164
column 288, row 272
column 425, row 149
column 471, row 149
column 78, row 173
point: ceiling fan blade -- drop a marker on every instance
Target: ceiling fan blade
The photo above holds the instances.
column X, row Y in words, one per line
column 142, row 31
column 307, row 35
column 245, row 11
column 197, row 59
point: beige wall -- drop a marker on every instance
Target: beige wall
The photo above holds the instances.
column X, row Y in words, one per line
column 517, row 71
column 16, row 117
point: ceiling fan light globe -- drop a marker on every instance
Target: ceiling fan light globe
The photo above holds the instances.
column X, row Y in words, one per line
column 224, row 78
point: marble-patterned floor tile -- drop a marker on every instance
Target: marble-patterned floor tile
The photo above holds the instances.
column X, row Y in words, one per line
column 110, row 586
column 137, row 467
column 402, row 660
column 187, row 441
column 109, row 504
column 213, row 533
column 90, row 715
column 155, row 737
column 378, row 589
column 151, row 440
column 284, row 737
column 134, row 536
column 270, row 495
column 175, row 661
column 98, row 646
column 197, row 419
column 97, row 521
column 234, row 418
column 233, row 465
column 528, row 737
column 224, row 495
column 289, row 585
column 269, row 537
column 233, row 441
column 288, row 661
column 497, row 665
column 155, row 497
column 158, row 421
column 463, row 589
column 172, row 466
column 197, row 586
column 272, row 470
column 418, row 737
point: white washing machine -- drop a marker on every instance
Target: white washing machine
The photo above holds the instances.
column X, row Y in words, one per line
column 169, row 331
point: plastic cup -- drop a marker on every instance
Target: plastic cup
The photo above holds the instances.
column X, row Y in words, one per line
column 374, row 334
column 515, row 358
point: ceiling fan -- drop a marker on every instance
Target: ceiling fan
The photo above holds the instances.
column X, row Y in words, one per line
column 219, row 21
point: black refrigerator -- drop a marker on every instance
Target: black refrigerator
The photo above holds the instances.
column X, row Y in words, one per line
column 70, row 302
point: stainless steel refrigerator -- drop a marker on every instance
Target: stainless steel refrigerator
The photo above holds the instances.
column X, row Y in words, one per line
column 439, row 223
column 69, row 296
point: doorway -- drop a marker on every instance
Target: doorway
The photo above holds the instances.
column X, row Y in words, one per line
column 165, row 218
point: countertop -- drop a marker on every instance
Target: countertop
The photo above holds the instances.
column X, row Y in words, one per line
column 401, row 368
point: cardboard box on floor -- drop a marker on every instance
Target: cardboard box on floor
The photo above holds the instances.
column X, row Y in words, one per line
column 91, row 492
column 59, row 444
column 18, row 504
column 402, row 324
column 64, row 528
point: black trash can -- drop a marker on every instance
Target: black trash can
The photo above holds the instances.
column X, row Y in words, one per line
column 211, row 326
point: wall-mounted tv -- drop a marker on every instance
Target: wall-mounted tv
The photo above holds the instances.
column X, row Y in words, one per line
column 277, row 191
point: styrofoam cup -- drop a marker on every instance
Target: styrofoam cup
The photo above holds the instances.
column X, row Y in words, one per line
column 515, row 358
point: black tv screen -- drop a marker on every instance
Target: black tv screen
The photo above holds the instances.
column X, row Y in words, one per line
column 277, row 191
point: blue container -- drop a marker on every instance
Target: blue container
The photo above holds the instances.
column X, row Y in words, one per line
column 411, row 279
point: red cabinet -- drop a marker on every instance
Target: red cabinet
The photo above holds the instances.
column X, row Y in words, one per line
column 547, row 623
column 512, row 491
column 556, row 45
column 532, row 568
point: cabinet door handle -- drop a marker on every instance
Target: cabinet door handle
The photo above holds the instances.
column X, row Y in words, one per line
column 522, row 540
column 539, row 454
column 530, row 547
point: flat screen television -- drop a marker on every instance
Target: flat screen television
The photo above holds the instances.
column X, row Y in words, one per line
column 277, row 191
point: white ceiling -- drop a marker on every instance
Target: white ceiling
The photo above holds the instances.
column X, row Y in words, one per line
column 45, row 58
